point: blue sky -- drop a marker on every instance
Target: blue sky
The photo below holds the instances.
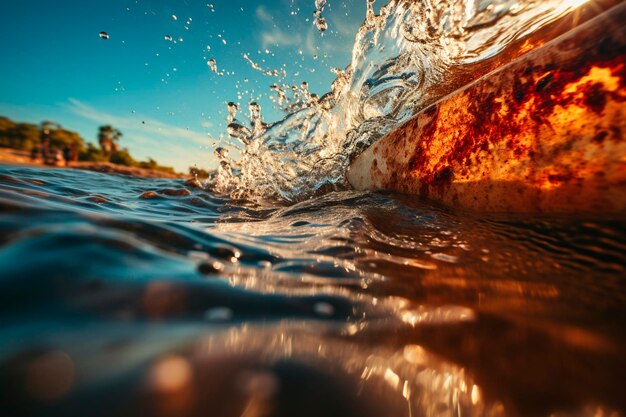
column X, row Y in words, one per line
column 162, row 94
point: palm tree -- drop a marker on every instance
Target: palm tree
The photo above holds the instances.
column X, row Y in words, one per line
column 108, row 137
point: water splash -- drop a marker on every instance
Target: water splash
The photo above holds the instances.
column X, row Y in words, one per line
column 401, row 58
column 320, row 22
column 212, row 63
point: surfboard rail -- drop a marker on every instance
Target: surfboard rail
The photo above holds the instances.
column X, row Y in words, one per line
column 544, row 132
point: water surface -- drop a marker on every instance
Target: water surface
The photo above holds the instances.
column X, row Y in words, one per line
column 131, row 296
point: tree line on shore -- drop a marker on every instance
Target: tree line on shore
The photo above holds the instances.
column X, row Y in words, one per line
column 49, row 141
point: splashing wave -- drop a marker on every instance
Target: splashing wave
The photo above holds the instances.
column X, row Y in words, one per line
column 402, row 61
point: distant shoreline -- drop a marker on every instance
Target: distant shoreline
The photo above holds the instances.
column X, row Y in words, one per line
column 19, row 157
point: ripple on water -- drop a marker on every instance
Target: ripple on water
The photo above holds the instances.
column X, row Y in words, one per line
column 350, row 304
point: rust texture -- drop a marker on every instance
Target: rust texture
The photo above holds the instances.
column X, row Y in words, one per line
column 543, row 133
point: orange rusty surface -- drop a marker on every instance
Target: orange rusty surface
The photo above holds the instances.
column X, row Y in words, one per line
column 544, row 133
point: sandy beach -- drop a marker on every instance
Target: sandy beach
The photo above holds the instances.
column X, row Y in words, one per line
column 14, row 156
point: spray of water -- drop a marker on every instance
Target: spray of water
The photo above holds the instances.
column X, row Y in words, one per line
column 400, row 59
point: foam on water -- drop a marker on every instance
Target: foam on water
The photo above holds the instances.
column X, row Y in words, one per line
column 400, row 60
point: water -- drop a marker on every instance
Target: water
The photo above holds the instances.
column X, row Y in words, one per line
column 130, row 296
column 274, row 290
column 404, row 58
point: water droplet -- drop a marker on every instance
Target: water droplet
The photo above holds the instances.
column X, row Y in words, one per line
column 221, row 153
column 265, row 264
column 321, row 24
column 319, row 21
column 235, row 130
column 324, row 309
column 210, row 268
column 218, row 314
column 232, row 111
column 213, row 65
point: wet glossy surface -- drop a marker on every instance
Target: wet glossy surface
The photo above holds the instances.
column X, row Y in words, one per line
column 126, row 296
column 541, row 134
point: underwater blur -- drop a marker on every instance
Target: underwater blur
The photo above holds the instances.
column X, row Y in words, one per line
column 274, row 289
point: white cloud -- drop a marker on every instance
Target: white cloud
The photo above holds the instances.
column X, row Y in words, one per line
column 271, row 35
column 311, row 40
column 144, row 125
column 263, row 15
column 306, row 36
column 344, row 26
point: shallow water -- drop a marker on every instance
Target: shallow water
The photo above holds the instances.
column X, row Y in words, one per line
column 130, row 296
